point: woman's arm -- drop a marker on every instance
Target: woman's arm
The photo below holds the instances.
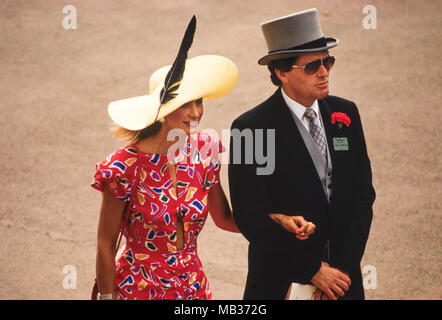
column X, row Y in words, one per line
column 219, row 209
column 109, row 224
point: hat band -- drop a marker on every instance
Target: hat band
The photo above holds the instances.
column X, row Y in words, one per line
column 318, row 43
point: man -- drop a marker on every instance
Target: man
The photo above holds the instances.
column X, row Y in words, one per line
column 322, row 172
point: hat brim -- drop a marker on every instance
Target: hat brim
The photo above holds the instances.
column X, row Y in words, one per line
column 283, row 54
column 206, row 77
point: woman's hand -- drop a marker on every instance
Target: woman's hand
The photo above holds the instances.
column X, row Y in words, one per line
column 295, row 224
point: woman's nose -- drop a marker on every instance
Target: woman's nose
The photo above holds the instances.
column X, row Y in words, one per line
column 194, row 110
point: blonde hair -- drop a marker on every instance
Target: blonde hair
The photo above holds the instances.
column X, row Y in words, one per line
column 133, row 137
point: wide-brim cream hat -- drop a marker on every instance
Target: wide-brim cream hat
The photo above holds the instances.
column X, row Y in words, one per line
column 206, row 77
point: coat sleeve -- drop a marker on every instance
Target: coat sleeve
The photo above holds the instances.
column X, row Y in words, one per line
column 248, row 192
column 251, row 207
column 363, row 196
column 362, row 199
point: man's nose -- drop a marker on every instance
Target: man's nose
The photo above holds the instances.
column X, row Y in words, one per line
column 322, row 71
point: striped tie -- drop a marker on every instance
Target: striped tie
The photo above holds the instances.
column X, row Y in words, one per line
column 316, row 131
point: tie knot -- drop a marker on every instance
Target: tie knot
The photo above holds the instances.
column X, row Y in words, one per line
column 310, row 114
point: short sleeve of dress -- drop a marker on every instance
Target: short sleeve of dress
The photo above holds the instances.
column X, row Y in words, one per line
column 217, row 160
column 117, row 173
column 212, row 163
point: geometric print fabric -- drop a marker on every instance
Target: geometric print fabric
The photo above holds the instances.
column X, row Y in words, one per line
column 149, row 266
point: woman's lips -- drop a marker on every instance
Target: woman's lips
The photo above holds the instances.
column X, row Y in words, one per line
column 193, row 123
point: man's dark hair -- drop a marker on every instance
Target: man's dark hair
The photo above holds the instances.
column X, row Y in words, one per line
column 284, row 65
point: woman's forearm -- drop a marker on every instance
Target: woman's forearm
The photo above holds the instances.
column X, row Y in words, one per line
column 105, row 270
column 228, row 224
column 220, row 211
column 109, row 224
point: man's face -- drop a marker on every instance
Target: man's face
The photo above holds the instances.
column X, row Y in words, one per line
column 302, row 87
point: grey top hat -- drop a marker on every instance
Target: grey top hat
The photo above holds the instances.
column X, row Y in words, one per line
column 293, row 35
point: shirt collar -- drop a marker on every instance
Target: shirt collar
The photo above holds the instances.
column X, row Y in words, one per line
column 297, row 108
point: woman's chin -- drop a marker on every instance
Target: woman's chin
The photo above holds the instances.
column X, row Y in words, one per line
column 191, row 128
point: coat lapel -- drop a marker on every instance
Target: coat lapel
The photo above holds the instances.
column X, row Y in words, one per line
column 331, row 131
column 291, row 140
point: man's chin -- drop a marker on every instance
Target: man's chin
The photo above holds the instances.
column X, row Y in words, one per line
column 322, row 94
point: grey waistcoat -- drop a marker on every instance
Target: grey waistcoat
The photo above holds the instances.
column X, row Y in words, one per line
column 323, row 165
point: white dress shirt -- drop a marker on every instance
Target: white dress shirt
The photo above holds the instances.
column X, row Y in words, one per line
column 298, row 109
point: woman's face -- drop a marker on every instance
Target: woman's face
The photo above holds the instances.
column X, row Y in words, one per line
column 185, row 117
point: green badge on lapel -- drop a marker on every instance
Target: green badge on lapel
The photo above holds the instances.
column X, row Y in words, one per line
column 340, row 144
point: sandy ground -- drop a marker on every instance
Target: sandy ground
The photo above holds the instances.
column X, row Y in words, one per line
column 55, row 85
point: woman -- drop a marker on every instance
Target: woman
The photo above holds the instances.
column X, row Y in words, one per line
column 171, row 185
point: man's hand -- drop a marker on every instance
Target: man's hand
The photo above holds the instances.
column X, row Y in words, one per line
column 295, row 224
column 331, row 282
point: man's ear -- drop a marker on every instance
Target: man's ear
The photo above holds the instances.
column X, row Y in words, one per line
column 282, row 76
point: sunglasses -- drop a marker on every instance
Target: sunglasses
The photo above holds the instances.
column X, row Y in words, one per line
column 313, row 66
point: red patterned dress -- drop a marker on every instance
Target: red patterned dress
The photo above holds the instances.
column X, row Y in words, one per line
column 149, row 266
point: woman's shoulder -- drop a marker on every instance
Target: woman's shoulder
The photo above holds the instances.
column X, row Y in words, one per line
column 120, row 159
column 210, row 140
column 119, row 164
column 117, row 171
column 210, row 148
column 210, row 158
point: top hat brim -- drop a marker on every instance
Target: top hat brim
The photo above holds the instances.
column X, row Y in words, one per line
column 283, row 54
